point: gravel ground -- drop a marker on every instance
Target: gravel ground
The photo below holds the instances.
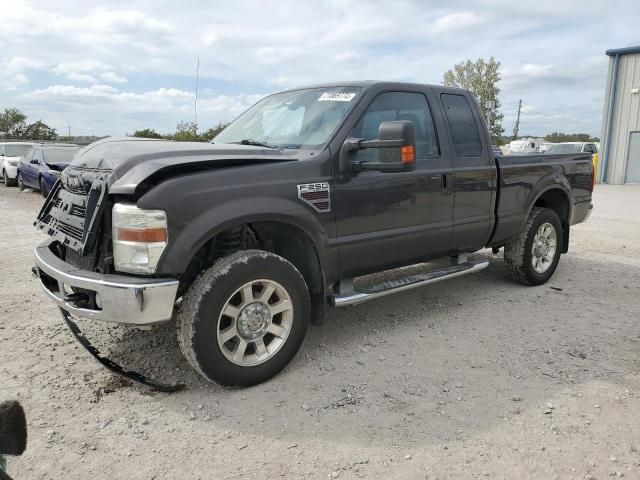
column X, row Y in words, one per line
column 477, row 377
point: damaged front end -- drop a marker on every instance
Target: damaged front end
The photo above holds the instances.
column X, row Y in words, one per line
column 75, row 266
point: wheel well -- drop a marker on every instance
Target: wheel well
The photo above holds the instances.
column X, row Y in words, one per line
column 557, row 201
column 286, row 240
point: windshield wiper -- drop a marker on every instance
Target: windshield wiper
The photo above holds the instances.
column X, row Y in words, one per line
column 254, row 143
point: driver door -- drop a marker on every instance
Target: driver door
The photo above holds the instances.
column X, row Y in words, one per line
column 388, row 219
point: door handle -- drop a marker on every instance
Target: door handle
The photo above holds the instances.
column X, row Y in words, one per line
column 447, row 184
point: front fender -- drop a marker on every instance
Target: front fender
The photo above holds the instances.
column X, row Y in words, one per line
column 187, row 238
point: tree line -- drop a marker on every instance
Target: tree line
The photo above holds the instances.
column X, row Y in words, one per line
column 185, row 132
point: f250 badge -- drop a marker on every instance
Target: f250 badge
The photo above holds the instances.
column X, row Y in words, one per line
column 317, row 195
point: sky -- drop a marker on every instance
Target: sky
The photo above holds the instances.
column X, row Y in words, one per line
column 111, row 67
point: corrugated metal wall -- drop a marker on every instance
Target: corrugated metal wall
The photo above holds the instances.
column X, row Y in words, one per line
column 626, row 115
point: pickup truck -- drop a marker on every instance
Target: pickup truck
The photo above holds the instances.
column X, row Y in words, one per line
column 307, row 200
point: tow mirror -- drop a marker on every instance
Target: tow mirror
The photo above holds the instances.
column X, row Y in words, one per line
column 396, row 146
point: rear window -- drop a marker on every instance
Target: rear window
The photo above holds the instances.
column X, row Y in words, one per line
column 464, row 130
column 16, row 150
column 59, row 155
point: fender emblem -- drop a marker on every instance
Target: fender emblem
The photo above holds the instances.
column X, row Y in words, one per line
column 317, row 195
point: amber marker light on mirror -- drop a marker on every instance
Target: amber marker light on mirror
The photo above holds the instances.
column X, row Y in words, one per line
column 407, row 154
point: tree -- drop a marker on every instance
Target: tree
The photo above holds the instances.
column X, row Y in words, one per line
column 37, row 131
column 147, row 133
column 12, row 122
column 209, row 134
column 559, row 137
column 186, row 132
column 481, row 78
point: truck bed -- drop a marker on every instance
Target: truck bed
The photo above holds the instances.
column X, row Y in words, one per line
column 523, row 178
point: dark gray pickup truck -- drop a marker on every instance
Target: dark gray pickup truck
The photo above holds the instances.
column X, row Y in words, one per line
column 301, row 203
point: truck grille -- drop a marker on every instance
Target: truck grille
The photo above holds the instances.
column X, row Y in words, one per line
column 72, row 214
column 63, row 217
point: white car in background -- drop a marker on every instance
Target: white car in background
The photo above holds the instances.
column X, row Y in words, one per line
column 10, row 155
column 526, row 145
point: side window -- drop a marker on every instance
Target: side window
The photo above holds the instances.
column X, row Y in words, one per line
column 464, row 130
column 589, row 148
column 392, row 106
column 2, row 150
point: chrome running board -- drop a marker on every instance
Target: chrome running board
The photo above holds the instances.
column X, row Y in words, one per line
column 349, row 295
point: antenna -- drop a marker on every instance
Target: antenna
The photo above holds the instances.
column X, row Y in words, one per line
column 195, row 103
column 517, row 125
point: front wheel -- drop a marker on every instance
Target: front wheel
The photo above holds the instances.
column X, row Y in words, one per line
column 21, row 184
column 533, row 256
column 244, row 319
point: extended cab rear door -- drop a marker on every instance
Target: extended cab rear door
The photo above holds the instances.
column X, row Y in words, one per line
column 475, row 173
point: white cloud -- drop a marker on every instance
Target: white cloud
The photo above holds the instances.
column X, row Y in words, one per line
column 88, row 71
column 12, row 72
column 113, row 77
column 456, row 21
column 59, row 92
column 533, row 70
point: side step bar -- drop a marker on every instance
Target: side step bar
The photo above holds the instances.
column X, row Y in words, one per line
column 350, row 296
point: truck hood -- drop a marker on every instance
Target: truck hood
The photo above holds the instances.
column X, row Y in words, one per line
column 125, row 163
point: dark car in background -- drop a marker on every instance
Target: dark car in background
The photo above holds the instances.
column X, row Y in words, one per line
column 42, row 165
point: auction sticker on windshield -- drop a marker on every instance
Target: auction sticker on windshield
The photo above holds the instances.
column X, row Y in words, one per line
column 336, row 97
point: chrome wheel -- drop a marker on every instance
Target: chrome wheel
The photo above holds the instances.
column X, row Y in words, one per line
column 543, row 249
column 255, row 322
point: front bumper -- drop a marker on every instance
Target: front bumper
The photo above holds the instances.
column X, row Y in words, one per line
column 12, row 172
column 122, row 298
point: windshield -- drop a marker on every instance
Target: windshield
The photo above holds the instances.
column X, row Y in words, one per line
column 59, row 155
column 16, row 150
column 297, row 119
column 564, row 148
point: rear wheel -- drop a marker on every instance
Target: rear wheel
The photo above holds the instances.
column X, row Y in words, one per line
column 244, row 319
column 533, row 256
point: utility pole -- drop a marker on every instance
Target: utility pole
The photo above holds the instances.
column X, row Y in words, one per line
column 517, row 125
column 195, row 103
column 69, row 129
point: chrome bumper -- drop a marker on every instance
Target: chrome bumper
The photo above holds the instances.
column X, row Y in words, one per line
column 123, row 299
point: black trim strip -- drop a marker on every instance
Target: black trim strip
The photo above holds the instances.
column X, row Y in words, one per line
column 112, row 366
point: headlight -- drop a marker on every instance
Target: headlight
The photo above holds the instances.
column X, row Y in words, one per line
column 55, row 173
column 13, row 163
column 139, row 238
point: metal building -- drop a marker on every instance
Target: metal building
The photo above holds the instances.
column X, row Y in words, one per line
column 620, row 138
